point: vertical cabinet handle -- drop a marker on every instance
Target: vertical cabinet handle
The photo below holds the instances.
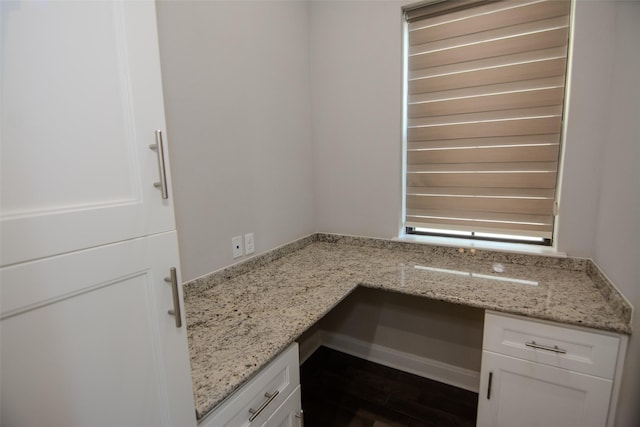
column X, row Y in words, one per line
column 173, row 280
column 300, row 416
column 159, row 148
column 489, row 386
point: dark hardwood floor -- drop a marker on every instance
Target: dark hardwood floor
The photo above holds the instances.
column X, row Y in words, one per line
column 339, row 390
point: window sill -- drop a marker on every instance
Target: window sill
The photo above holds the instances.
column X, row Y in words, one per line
column 519, row 248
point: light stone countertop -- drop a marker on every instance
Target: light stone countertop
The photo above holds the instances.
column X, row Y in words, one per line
column 240, row 318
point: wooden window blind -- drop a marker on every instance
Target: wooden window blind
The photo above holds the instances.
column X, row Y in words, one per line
column 486, row 84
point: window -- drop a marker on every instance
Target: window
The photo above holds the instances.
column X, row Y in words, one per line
column 485, row 94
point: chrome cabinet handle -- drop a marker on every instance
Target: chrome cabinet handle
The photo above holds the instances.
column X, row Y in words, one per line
column 159, row 148
column 554, row 349
column 255, row 412
column 173, row 280
column 300, row 416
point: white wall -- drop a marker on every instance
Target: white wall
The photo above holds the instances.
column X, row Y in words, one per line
column 586, row 123
column 237, row 100
column 356, row 54
column 617, row 233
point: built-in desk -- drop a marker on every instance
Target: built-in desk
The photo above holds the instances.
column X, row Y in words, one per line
column 242, row 317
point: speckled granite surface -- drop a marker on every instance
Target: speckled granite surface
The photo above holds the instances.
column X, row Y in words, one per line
column 240, row 318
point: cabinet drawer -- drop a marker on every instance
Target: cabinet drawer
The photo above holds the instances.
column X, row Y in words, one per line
column 257, row 400
column 577, row 349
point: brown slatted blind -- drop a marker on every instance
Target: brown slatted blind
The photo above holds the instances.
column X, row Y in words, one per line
column 484, row 115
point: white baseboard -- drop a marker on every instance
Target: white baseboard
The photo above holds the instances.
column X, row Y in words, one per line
column 428, row 368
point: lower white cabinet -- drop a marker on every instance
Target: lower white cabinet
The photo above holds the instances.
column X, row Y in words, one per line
column 525, row 394
column 542, row 374
column 86, row 339
column 270, row 398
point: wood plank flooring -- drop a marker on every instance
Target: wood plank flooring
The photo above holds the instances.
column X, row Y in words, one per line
column 339, row 390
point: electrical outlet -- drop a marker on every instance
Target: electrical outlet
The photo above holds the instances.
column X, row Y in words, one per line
column 237, row 246
column 248, row 243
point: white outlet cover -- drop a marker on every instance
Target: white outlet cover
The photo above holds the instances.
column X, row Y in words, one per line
column 237, row 246
column 248, row 243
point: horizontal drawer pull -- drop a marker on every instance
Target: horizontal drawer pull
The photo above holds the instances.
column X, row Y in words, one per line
column 554, row 349
column 255, row 412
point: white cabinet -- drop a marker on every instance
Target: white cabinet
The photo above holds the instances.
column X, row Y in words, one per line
column 541, row 374
column 524, row 394
column 86, row 339
column 81, row 102
column 87, row 239
column 270, row 399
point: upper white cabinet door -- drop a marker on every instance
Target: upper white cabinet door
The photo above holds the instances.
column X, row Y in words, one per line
column 86, row 340
column 81, row 102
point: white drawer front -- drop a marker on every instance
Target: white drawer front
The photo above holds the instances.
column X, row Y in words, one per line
column 261, row 396
column 576, row 349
